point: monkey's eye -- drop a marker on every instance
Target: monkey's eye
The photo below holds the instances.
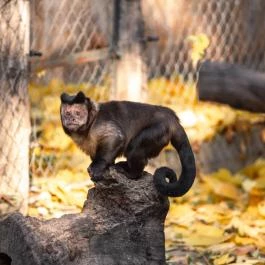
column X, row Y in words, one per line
column 77, row 113
column 67, row 113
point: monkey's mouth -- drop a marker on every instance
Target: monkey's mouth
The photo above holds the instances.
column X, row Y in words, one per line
column 72, row 125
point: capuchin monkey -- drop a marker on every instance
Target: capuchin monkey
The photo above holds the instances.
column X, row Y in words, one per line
column 138, row 131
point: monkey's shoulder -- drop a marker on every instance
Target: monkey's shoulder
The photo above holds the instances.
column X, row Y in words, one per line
column 131, row 109
column 104, row 128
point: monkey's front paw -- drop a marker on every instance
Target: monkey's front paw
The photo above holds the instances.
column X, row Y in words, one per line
column 124, row 165
column 95, row 175
column 96, row 178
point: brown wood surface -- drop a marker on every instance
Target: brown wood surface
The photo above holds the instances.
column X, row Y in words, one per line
column 232, row 84
column 122, row 223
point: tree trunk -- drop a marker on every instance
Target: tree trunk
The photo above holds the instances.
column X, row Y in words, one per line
column 128, row 43
column 233, row 85
column 14, row 106
column 122, row 223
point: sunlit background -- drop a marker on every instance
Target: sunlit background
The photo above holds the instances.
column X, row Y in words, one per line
column 222, row 219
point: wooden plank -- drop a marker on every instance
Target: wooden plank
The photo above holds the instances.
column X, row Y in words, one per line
column 38, row 64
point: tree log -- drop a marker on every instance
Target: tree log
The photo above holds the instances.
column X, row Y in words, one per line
column 122, row 222
column 233, row 85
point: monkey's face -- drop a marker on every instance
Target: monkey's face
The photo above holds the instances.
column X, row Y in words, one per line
column 74, row 116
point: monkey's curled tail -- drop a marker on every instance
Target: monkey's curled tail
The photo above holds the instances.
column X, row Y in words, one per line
column 165, row 178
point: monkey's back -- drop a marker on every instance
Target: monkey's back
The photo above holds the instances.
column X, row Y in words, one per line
column 132, row 117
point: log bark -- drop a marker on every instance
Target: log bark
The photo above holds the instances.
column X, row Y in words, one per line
column 233, row 85
column 122, row 222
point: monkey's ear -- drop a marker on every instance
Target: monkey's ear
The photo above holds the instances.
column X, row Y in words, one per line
column 65, row 98
column 79, row 98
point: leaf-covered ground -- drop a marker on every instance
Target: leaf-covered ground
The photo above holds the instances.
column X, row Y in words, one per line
column 220, row 221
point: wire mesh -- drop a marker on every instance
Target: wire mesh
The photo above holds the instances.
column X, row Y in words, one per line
column 234, row 30
column 60, row 28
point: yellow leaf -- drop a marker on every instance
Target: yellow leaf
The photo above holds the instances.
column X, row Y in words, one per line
column 42, row 211
column 253, row 170
column 210, row 213
column 224, row 259
column 199, row 43
column 225, row 175
column 244, row 240
column 55, row 138
column 77, row 199
column 58, row 192
column 64, row 176
column 223, row 189
column 260, row 181
column 174, row 232
column 248, row 185
column 244, row 228
column 55, row 85
column 199, row 240
column 261, row 208
column 33, row 211
column 251, row 213
column 41, row 73
column 181, row 214
column 221, row 248
column 209, row 230
column 51, row 105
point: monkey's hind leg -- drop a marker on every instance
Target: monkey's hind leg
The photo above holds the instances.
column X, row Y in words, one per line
column 147, row 144
column 107, row 150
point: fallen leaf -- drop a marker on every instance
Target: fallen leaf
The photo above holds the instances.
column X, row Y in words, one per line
column 223, row 189
column 181, row 214
column 205, row 240
column 261, row 208
column 224, row 259
column 203, row 229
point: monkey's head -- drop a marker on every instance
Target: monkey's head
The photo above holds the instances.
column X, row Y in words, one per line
column 75, row 112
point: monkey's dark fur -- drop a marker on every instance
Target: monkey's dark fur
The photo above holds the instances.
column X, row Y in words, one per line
column 137, row 131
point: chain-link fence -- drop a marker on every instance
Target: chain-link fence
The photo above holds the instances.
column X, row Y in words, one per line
column 231, row 31
column 193, row 31
column 63, row 28
column 64, row 32
column 14, row 107
column 68, row 32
